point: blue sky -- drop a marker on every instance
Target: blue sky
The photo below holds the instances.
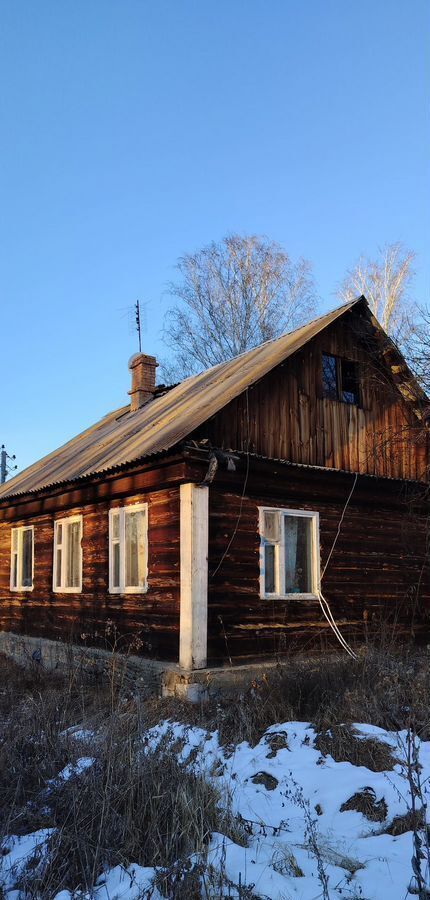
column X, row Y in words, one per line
column 134, row 131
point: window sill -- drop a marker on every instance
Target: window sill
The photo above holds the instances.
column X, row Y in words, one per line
column 124, row 592
column 64, row 590
column 21, row 590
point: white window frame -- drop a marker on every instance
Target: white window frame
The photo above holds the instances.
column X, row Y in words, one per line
column 279, row 594
column 64, row 555
column 122, row 511
column 20, row 532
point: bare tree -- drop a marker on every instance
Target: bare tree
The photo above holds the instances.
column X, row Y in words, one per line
column 385, row 283
column 417, row 345
column 233, row 295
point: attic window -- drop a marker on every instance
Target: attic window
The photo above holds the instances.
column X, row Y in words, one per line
column 340, row 379
column 329, row 370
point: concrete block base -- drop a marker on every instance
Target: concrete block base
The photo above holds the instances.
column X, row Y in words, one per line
column 162, row 678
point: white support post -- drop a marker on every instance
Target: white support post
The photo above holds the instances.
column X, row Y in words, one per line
column 193, row 625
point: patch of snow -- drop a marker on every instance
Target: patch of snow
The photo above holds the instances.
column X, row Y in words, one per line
column 85, row 735
column 16, row 852
column 305, row 791
column 72, row 770
column 131, row 883
column 289, row 802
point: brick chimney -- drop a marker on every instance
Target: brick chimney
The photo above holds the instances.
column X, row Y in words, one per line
column 142, row 369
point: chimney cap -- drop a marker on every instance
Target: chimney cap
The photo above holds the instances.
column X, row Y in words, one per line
column 141, row 358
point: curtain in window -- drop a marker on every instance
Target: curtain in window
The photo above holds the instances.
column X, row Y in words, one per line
column 271, row 528
column 115, row 550
column 291, row 528
column 135, row 549
column 297, row 555
column 27, row 558
column 14, row 561
column 73, row 554
column 59, row 555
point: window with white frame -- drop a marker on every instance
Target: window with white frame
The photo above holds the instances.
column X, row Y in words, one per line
column 289, row 553
column 128, row 549
column 22, row 558
column 67, row 576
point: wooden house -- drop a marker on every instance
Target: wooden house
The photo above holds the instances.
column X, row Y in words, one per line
column 227, row 518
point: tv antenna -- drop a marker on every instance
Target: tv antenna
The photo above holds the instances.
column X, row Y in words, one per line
column 136, row 315
column 138, row 325
column 5, row 467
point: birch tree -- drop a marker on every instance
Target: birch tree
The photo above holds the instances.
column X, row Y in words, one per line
column 231, row 296
column 385, row 282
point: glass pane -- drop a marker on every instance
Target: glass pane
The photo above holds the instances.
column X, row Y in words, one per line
column 329, row 375
column 115, row 527
column 115, row 566
column 59, row 533
column 58, row 570
column 27, row 558
column 349, row 381
column 298, row 555
column 269, row 568
column 73, row 533
column 271, row 526
column 15, row 570
column 135, row 549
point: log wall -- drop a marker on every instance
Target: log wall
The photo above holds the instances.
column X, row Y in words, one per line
column 377, row 581
column 94, row 616
column 379, row 572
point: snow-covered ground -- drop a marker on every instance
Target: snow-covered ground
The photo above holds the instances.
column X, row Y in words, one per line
column 289, row 798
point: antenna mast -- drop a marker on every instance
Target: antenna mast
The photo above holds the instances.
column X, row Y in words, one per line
column 5, row 468
column 138, row 329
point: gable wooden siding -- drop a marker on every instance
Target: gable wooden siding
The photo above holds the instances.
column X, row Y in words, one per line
column 285, row 415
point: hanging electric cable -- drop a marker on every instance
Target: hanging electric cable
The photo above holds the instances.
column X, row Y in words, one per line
column 322, row 600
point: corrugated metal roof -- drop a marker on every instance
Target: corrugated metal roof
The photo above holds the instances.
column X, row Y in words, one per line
column 123, row 437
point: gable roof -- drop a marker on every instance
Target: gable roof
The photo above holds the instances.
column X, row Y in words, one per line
column 123, row 437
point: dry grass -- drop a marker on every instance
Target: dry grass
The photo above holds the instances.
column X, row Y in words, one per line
column 409, row 821
column 388, row 688
column 366, row 803
column 276, row 740
column 35, row 709
column 345, row 745
column 148, row 808
column 130, row 806
column 133, row 804
column 268, row 781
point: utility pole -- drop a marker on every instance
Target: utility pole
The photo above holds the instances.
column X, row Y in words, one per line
column 5, row 467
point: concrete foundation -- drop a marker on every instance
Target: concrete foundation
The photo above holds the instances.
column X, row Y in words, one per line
column 162, row 678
